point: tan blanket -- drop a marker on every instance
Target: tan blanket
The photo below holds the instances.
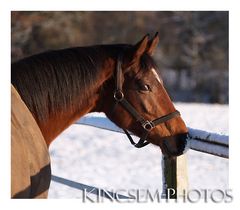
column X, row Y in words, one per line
column 30, row 162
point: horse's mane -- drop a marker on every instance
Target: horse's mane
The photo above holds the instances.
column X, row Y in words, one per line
column 52, row 81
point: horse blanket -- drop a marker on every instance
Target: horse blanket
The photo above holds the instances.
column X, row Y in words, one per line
column 30, row 161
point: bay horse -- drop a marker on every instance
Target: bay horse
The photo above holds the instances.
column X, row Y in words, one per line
column 121, row 80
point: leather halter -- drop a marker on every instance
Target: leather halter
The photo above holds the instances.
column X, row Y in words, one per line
column 147, row 125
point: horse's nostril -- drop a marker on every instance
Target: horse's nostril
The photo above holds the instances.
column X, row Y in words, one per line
column 176, row 145
column 182, row 143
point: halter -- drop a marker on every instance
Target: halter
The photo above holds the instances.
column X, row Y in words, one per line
column 147, row 125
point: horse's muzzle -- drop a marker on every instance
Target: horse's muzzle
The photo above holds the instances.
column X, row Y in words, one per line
column 175, row 145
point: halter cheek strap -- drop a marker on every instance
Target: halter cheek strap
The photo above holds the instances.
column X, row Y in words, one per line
column 146, row 124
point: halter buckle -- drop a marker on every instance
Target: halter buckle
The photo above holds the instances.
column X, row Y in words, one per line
column 148, row 125
column 118, row 95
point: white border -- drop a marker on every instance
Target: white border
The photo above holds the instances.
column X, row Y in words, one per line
column 5, row 104
column 119, row 5
column 89, row 5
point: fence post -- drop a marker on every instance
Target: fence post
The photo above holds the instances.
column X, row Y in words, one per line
column 174, row 176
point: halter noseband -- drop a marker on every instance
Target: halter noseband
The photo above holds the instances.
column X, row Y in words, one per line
column 147, row 125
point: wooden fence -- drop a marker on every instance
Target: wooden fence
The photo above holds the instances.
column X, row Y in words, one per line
column 174, row 171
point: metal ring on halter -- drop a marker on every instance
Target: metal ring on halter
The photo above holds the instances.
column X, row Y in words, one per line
column 148, row 125
column 118, row 95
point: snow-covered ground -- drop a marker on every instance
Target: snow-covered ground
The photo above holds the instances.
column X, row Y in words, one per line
column 105, row 159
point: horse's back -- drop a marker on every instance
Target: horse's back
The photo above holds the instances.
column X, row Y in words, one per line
column 30, row 162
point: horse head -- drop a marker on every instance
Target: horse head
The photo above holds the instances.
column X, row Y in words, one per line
column 140, row 103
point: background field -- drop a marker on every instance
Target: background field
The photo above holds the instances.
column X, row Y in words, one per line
column 192, row 54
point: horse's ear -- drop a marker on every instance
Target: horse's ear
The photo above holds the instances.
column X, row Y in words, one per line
column 152, row 44
column 137, row 51
column 133, row 55
column 141, row 47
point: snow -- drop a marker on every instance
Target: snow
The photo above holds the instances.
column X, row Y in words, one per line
column 105, row 159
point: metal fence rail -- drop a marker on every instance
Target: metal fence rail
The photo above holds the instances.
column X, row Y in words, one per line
column 210, row 143
column 202, row 141
column 88, row 188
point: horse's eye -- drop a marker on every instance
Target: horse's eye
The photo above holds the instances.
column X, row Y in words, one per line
column 145, row 87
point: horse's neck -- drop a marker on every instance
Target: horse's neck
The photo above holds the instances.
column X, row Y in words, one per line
column 57, row 123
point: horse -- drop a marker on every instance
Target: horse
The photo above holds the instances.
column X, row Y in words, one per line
column 122, row 80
